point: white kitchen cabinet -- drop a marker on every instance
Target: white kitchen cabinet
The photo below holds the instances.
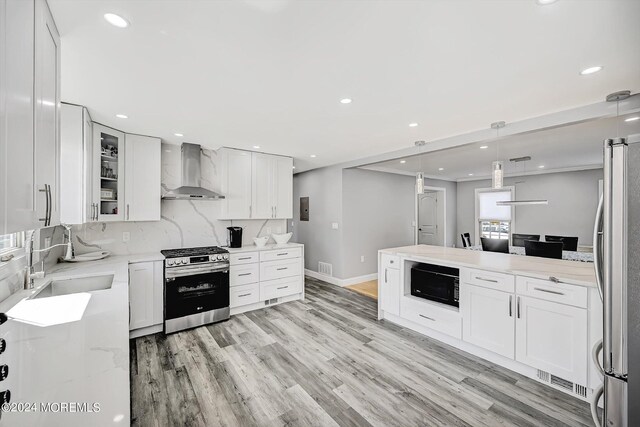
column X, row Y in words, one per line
column 235, row 183
column 263, row 183
column 142, row 178
column 108, row 173
column 390, row 287
column 29, row 114
column 552, row 337
column 76, row 148
column 145, row 294
column 488, row 319
column 283, row 187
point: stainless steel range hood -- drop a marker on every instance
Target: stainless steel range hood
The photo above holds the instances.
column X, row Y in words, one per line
column 191, row 189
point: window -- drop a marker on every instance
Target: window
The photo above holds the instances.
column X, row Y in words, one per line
column 494, row 222
column 11, row 241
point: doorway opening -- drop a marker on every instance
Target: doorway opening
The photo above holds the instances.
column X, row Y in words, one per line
column 431, row 220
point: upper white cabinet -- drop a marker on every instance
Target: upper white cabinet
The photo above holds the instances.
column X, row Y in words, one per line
column 29, row 116
column 256, row 185
column 142, row 178
column 108, row 173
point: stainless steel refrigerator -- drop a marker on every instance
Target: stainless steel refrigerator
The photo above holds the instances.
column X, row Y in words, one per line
column 617, row 264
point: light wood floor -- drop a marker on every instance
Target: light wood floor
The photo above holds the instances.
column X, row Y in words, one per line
column 326, row 362
column 369, row 288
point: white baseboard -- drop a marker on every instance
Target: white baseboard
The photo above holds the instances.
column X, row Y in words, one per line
column 340, row 282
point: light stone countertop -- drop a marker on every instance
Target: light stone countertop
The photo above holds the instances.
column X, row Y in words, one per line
column 86, row 361
column 267, row 247
column 577, row 273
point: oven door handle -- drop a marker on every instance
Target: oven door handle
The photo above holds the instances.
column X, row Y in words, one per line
column 192, row 271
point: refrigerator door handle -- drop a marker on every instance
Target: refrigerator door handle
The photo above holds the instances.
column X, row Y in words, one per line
column 597, row 246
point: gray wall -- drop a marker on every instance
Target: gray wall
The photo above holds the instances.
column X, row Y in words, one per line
column 378, row 211
column 450, row 209
column 322, row 243
column 573, row 199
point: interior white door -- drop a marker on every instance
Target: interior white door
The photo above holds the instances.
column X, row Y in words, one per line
column 262, row 186
column 283, row 187
column 142, row 178
column 488, row 319
column 552, row 337
column 429, row 228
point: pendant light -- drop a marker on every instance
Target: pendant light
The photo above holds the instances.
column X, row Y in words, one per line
column 420, row 174
column 524, row 161
column 497, row 167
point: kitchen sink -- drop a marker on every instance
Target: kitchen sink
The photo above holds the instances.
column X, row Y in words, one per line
column 75, row 285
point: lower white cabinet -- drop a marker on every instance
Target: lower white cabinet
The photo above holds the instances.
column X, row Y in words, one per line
column 145, row 294
column 552, row 337
column 280, row 288
column 390, row 290
column 488, row 319
column 244, row 294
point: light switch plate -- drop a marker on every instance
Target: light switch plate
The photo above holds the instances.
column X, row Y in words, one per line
column 334, row 225
column 361, row 258
column 126, row 236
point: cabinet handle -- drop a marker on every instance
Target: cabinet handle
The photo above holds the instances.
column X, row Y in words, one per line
column 250, row 211
column 518, row 307
column 283, row 287
column 243, row 258
column 548, row 291
column 282, row 254
column 427, row 317
column 275, row 212
column 46, row 211
column 243, row 295
column 127, row 211
column 97, row 210
column 510, row 305
column 244, row 274
column 282, row 268
column 385, row 275
column 390, row 261
column 49, row 204
column 486, row 280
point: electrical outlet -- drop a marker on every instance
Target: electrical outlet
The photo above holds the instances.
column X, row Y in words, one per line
column 47, row 242
column 126, row 236
column 361, row 258
column 334, row 225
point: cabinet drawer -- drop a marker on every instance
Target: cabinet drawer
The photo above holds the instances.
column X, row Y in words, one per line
column 390, row 261
column 243, row 258
column 271, row 270
column 551, row 291
column 425, row 314
column 281, row 254
column 243, row 274
column 280, row 288
column 488, row 279
column 244, row 294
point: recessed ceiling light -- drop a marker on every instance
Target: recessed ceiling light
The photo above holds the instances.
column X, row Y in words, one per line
column 178, row 134
column 345, row 101
column 122, row 116
column 482, row 147
column 545, row 2
column 541, row 166
column 470, row 174
column 440, row 169
column 412, row 125
column 403, row 161
column 256, row 147
column 116, row 20
column 632, row 119
column 312, row 156
column 591, row 70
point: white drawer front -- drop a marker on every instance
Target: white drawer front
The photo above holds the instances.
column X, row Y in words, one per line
column 425, row 314
column 244, row 294
column 280, row 254
column 280, row 288
column 390, row 261
column 550, row 291
column 279, row 269
column 243, row 258
column 488, row 279
column 244, row 274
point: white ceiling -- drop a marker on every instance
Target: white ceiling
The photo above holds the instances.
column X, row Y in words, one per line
column 573, row 147
column 271, row 73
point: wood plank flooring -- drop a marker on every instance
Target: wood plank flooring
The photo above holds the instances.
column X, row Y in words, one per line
column 328, row 362
column 369, row 289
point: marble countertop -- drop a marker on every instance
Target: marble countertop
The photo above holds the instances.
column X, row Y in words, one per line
column 268, row 247
column 84, row 361
column 577, row 273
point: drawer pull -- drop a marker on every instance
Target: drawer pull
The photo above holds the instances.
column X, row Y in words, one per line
column 283, row 287
column 390, row 261
column 486, row 280
column 518, row 307
column 427, row 317
column 244, row 274
column 283, row 253
column 548, row 291
column 243, row 258
column 510, row 305
column 282, row 268
column 244, row 295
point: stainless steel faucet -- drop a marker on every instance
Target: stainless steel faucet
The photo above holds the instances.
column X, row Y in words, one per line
column 31, row 273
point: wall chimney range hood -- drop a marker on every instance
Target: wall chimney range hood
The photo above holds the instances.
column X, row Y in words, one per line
column 191, row 173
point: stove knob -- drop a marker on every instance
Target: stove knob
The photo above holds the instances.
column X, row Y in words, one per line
column 225, row 256
column 185, row 260
column 169, row 262
column 219, row 257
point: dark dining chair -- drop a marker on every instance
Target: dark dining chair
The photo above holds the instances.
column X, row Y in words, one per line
column 570, row 243
column 495, row 245
column 518, row 239
column 543, row 249
column 466, row 240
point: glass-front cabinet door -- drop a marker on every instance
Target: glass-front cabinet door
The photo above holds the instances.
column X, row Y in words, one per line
column 108, row 174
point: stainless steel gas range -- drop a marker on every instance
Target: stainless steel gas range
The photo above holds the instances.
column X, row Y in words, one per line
column 196, row 287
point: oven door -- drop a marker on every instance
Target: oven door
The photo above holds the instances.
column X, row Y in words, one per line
column 195, row 289
column 434, row 286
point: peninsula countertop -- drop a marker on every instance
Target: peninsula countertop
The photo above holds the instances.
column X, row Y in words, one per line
column 572, row 272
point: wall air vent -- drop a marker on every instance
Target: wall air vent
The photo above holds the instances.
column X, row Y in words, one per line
column 271, row 301
column 561, row 383
column 325, row 268
column 544, row 376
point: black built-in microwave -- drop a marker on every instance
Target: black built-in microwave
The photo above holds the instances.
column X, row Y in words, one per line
column 436, row 283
